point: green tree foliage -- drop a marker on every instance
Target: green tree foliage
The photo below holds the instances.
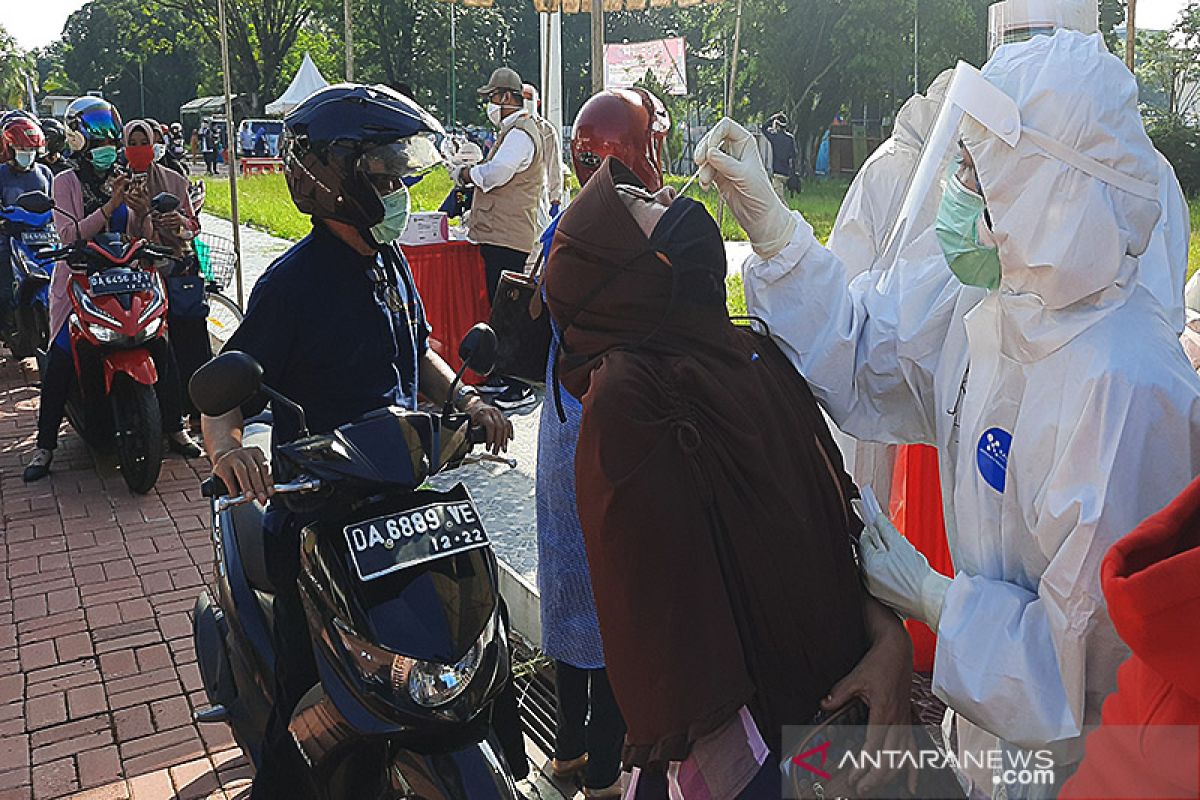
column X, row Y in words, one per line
column 262, row 35
column 129, row 50
column 1112, row 14
column 15, row 64
column 407, row 43
column 1168, row 73
column 813, row 59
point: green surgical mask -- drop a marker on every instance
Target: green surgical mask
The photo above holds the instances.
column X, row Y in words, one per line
column 103, row 157
column 957, row 228
column 395, row 217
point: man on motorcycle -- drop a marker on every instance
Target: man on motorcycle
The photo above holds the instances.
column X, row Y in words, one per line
column 56, row 141
column 95, row 193
column 338, row 326
column 21, row 140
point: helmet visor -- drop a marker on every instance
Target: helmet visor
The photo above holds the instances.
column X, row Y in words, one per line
column 387, row 165
column 99, row 122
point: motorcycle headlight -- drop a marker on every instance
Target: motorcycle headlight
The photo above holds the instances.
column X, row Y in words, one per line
column 103, row 333
column 431, row 684
column 151, row 330
column 427, row 683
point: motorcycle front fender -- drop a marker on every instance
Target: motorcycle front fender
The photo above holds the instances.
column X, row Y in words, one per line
column 347, row 765
column 136, row 363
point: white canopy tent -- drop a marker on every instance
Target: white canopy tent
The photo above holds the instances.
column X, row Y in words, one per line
column 308, row 80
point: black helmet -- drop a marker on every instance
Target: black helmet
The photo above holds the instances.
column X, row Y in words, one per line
column 56, row 135
column 342, row 135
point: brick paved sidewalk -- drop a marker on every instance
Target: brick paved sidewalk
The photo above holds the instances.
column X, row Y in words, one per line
column 97, row 671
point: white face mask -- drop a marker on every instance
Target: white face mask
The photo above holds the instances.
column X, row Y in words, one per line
column 160, row 150
column 25, row 158
column 493, row 113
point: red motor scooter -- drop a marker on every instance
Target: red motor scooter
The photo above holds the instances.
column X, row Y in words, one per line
column 117, row 327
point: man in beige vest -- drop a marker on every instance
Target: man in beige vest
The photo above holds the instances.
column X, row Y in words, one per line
column 508, row 186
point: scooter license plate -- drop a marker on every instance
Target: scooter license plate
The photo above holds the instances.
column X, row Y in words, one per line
column 39, row 238
column 120, row 282
column 406, row 538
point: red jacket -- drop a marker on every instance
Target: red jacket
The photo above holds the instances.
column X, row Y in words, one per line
column 1151, row 580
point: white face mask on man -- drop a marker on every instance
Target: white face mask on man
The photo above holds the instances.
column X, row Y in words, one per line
column 25, row 158
column 494, row 110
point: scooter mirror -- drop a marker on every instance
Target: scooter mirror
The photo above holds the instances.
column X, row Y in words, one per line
column 35, row 202
column 164, row 203
column 478, row 348
column 225, row 383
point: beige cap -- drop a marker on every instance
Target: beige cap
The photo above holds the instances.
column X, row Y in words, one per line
column 502, row 78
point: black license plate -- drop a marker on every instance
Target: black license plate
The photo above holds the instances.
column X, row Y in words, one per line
column 406, row 538
column 120, row 282
column 39, row 238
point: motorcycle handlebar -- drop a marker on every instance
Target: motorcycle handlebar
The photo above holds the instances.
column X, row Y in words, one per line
column 223, row 502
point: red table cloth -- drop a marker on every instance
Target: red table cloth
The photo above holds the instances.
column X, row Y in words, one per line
column 449, row 277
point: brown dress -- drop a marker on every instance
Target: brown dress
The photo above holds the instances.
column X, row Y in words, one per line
column 713, row 501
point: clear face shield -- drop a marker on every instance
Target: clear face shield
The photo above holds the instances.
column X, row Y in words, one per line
column 388, row 165
column 944, row 193
column 1018, row 20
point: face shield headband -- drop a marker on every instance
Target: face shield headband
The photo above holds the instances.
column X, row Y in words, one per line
column 970, row 94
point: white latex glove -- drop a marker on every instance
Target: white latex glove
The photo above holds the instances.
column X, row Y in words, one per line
column 898, row 575
column 457, row 172
column 728, row 156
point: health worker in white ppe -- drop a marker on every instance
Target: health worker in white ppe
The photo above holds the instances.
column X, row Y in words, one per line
column 1016, row 21
column 1011, row 332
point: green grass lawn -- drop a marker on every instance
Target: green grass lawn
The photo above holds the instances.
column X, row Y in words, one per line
column 263, row 202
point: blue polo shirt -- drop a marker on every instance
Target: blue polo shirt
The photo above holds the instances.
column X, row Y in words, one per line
column 320, row 323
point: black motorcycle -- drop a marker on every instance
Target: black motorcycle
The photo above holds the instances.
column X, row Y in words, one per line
column 399, row 586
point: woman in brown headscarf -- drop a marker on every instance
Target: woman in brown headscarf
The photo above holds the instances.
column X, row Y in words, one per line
column 714, row 505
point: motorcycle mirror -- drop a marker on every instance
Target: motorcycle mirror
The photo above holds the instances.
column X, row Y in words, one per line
column 35, row 202
column 164, row 203
column 225, row 383
column 478, row 348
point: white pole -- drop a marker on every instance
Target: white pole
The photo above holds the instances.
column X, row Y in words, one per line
column 551, row 76
column 552, row 91
column 231, row 148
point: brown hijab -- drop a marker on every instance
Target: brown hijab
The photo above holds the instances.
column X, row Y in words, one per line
column 712, row 498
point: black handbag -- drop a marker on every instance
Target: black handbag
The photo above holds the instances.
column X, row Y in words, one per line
column 186, row 298
column 522, row 325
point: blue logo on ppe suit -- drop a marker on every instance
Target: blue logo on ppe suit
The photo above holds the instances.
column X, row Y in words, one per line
column 992, row 456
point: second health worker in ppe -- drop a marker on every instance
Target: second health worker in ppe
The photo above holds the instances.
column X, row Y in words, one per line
column 1061, row 404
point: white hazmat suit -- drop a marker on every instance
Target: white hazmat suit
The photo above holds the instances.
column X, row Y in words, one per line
column 869, row 208
column 1062, row 406
column 860, row 232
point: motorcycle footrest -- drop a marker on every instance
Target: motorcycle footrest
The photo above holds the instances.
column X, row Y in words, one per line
column 217, row 713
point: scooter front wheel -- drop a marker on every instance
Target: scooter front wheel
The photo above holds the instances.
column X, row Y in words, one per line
column 138, row 425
